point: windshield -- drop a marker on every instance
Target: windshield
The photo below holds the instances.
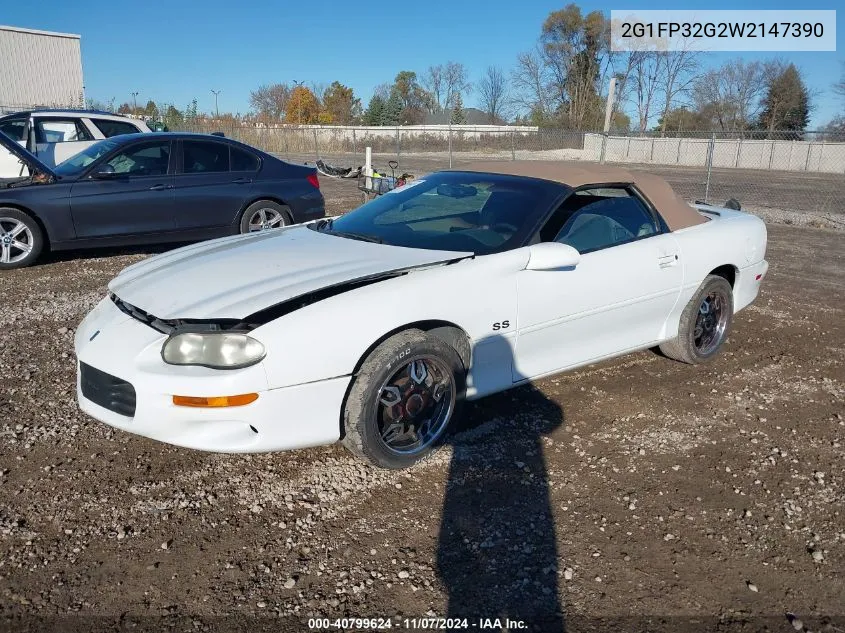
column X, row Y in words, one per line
column 452, row 211
column 77, row 164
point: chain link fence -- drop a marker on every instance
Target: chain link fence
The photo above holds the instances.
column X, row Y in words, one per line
column 785, row 176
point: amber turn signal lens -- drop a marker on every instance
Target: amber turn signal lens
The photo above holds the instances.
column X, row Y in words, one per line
column 215, row 401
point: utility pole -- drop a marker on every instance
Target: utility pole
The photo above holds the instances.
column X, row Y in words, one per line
column 608, row 110
column 216, row 109
column 298, row 84
column 134, row 103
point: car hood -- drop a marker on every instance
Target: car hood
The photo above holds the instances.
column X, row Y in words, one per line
column 25, row 156
column 234, row 277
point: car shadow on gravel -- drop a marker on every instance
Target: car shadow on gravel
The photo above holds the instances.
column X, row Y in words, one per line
column 497, row 552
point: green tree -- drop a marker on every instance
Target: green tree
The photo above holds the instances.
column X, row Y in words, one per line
column 414, row 100
column 173, row 118
column 151, row 110
column 458, row 115
column 190, row 113
column 393, row 110
column 574, row 47
column 340, row 104
column 375, row 111
column 786, row 105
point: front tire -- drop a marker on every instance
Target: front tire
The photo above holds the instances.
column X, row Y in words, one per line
column 705, row 323
column 21, row 239
column 402, row 400
column 264, row 215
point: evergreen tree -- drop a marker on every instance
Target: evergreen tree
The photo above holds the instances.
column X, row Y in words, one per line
column 786, row 105
column 375, row 111
column 458, row 116
column 392, row 113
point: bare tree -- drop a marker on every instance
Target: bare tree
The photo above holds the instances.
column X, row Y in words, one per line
column 455, row 81
column 530, row 80
column 270, row 101
column 839, row 87
column 493, row 93
column 432, row 81
column 678, row 72
column 730, row 95
column 644, row 79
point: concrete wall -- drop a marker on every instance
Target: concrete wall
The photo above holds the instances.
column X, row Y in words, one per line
column 727, row 153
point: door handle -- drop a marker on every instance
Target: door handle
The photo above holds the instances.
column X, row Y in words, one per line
column 242, row 181
column 159, row 187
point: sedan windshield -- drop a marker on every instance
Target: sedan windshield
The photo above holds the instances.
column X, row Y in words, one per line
column 452, row 211
column 77, row 164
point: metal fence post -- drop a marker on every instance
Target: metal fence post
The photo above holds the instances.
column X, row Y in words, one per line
column 513, row 145
column 603, row 147
column 710, row 150
column 316, row 147
column 285, row 139
column 450, row 145
column 354, row 143
column 398, row 143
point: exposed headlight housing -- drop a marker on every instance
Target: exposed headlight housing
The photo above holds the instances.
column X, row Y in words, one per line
column 218, row 350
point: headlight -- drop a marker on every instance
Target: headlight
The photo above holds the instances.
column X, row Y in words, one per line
column 219, row 350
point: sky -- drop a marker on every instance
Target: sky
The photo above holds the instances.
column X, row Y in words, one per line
column 178, row 51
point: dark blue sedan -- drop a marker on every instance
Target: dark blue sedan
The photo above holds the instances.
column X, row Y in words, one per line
column 146, row 189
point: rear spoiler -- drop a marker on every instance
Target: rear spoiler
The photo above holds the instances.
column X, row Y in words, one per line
column 730, row 203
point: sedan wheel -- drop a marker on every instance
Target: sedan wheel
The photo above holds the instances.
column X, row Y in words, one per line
column 20, row 239
column 264, row 219
column 264, row 215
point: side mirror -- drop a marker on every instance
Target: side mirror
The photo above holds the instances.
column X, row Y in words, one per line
column 552, row 256
column 105, row 171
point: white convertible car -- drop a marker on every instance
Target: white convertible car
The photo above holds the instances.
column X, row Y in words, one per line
column 373, row 326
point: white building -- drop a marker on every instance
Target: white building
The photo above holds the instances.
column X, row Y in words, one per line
column 39, row 68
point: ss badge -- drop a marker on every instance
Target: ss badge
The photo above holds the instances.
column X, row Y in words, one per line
column 503, row 325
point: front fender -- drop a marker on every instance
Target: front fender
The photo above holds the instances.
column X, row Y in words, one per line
column 328, row 338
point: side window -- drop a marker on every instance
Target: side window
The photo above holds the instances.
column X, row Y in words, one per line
column 143, row 159
column 243, row 160
column 593, row 219
column 15, row 129
column 203, row 157
column 60, row 131
column 114, row 128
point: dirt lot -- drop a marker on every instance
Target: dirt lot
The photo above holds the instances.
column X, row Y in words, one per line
column 638, row 494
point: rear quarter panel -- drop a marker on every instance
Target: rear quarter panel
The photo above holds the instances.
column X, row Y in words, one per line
column 732, row 238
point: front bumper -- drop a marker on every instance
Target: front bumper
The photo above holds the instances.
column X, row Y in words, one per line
column 280, row 419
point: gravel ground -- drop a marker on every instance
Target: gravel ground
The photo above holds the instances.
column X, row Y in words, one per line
column 636, row 494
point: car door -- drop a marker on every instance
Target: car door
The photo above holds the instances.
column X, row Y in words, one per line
column 59, row 138
column 208, row 194
column 616, row 299
column 10, row 165
column 128, row 192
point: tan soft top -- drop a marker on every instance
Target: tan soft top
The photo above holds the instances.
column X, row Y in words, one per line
column 677, row 213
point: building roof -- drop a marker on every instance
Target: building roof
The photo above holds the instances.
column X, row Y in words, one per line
column 675, row 211
column 36, row 32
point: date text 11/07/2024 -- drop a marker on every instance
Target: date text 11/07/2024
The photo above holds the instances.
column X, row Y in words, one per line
column 429, row 624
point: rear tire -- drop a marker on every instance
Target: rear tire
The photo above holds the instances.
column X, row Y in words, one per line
column 705, row 323
column 402, row 400
column 263, row 215
column 21, row 239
